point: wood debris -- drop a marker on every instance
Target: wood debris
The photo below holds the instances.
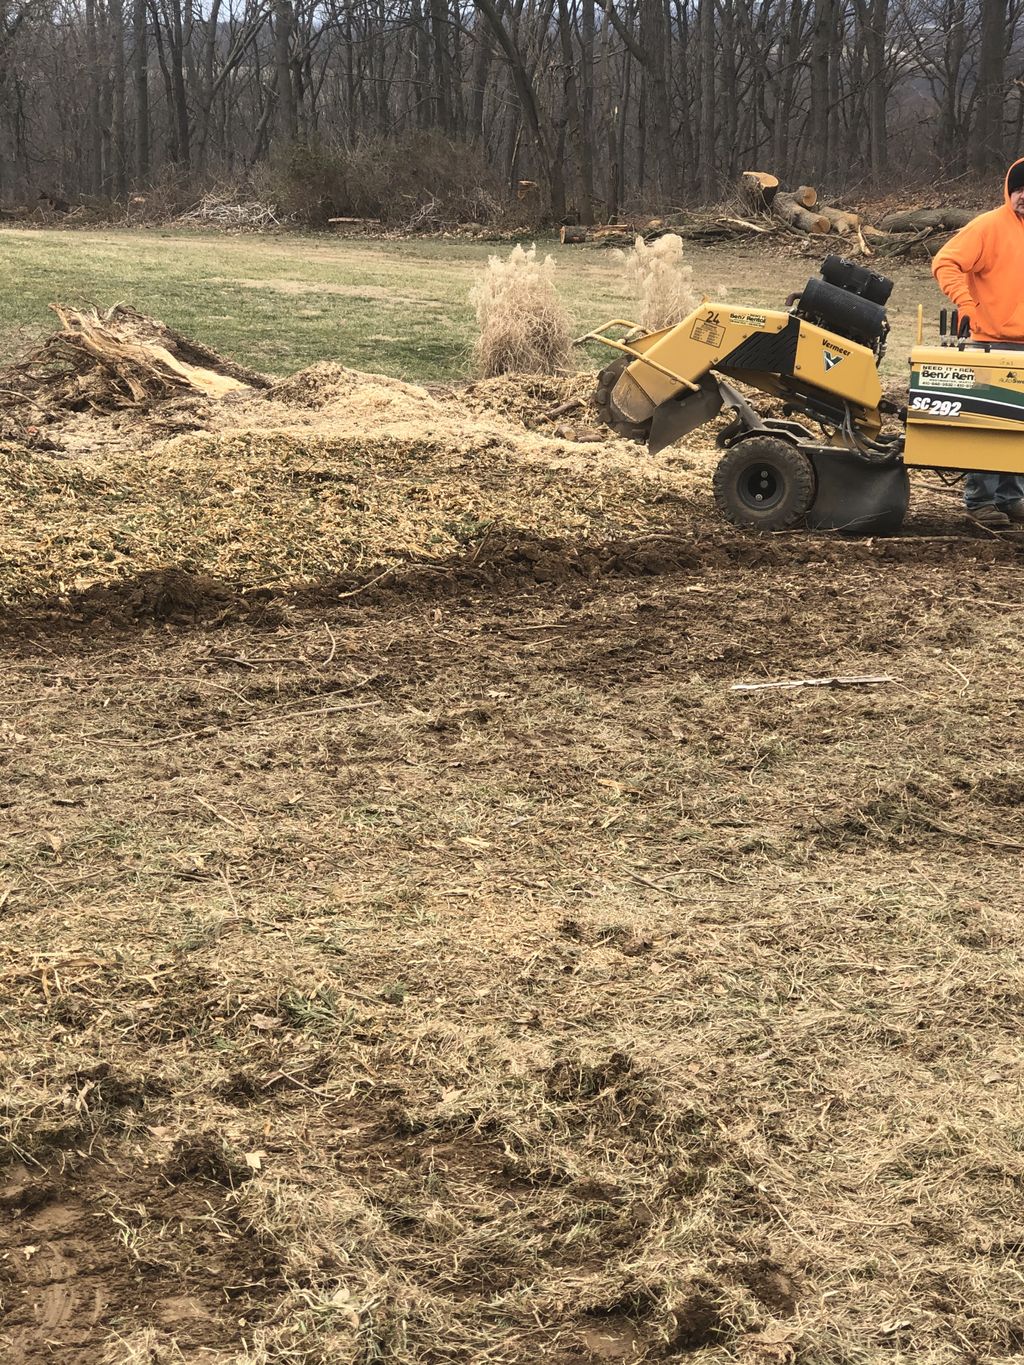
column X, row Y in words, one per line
column 219, row 211
column 118, row 359
column 852, row 681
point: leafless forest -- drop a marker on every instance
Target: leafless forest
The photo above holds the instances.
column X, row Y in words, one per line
column 642, row 101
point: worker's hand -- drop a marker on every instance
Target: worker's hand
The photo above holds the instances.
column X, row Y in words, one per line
column 964, row 329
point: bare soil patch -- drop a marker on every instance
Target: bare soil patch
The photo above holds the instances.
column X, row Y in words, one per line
column 96, row 1250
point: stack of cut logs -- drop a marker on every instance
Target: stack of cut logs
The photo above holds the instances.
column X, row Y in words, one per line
column 896, row 233
column 800, row 209
column 770, row 210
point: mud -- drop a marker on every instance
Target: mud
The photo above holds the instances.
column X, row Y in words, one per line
column 74, row 1268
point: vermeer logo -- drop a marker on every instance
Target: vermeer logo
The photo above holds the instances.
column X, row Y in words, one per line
column 831, row 359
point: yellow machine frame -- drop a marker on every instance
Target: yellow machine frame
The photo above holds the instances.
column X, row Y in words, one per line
column 767, row 349
column 963, row 406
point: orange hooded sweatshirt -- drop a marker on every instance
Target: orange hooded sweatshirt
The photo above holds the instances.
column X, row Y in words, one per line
column 982, row 270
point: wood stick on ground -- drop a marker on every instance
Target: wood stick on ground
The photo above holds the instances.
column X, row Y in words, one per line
column 563, row 408
column 863, row 681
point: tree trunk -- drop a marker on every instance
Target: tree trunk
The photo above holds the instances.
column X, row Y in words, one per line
column 178, row 87
column 819, row 122
column 987, row 140
column 287, row 124
column 706, row 43
column 586, row 145
column 878, row 86
column 841, row 222
column 440, row 82
column 919, row 219
column 92, row 76
column 140, row 82
column 758, row 189
column 118, row 142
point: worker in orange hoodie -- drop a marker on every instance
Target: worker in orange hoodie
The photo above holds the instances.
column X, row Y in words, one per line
column 982, row 270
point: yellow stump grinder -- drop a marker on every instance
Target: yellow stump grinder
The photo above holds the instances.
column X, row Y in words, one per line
column 965, row 409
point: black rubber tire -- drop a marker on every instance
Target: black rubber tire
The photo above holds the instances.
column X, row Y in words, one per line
column 602, row 400
column 764, row 484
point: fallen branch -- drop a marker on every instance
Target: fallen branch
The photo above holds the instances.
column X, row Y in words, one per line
column 862, row 681
column 563, row 408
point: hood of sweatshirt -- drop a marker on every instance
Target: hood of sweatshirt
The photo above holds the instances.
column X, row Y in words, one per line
column 1006, row 183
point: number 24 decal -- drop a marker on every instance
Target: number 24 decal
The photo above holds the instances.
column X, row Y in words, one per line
column 936, row 407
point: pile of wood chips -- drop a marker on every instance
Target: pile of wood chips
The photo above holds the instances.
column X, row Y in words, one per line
column 329, row 472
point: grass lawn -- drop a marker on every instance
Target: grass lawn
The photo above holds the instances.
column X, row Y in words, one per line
column 397, row 307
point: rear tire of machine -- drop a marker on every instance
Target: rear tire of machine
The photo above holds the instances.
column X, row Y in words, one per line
column 764, row 484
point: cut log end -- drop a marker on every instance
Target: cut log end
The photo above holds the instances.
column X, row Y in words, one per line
column 759, row 188
column 841, row 222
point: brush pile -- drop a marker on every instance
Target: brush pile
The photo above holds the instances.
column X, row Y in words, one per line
column 222, row 211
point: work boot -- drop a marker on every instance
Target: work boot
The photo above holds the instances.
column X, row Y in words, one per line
column 991, row 516
column 1014, row 510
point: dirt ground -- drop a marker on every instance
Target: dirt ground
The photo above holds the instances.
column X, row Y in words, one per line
column 414, row 950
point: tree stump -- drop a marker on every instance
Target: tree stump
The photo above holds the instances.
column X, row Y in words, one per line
column 758, row 189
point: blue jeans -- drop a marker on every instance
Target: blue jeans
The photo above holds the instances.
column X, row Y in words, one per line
column 982, row 490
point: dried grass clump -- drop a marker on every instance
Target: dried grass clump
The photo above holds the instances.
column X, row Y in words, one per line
column 524, row 325
column 663, row 283
column 143, row 1347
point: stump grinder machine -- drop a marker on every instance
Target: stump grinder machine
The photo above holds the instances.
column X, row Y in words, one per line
column 819, row 360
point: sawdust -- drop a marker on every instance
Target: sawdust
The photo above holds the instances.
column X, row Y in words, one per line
column 356, row 396
column 529, row 400
column 328, row 472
